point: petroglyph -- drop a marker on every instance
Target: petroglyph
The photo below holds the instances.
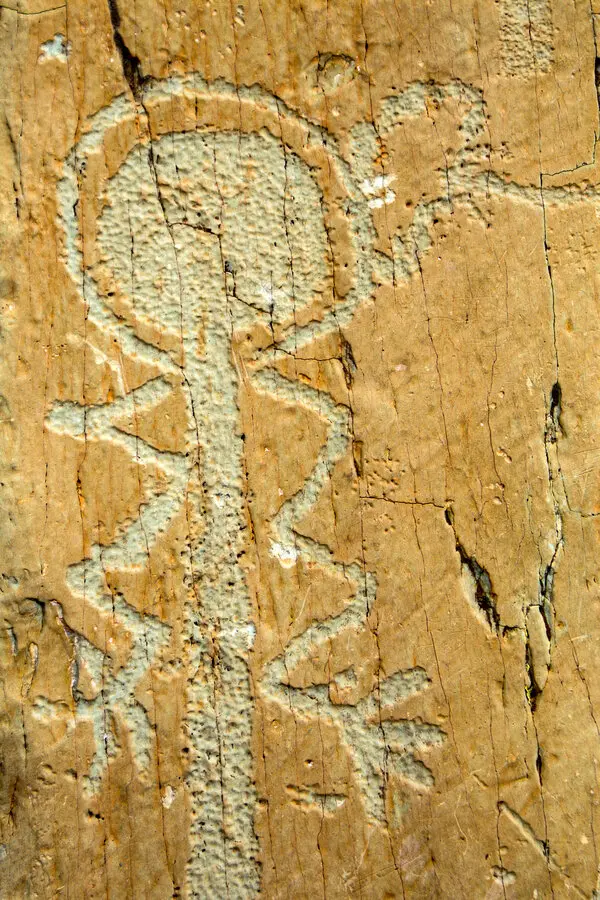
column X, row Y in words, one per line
column 218, row 215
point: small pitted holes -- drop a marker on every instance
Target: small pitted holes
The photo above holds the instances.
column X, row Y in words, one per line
column 166, row 264
column 526, row 37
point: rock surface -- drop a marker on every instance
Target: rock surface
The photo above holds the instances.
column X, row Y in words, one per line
column 300, row 583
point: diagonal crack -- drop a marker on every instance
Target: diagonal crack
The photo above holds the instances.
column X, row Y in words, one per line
column 130, row 63
column 484, row 594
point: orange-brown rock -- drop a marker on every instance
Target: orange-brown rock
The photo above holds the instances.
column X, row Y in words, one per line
column 299, row 420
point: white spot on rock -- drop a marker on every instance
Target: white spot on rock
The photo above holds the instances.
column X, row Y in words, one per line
column 378, row 190
column 287, row 556
column 168, row 797
column 56, row 48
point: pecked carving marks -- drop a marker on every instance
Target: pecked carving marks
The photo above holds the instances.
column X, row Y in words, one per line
column 252, row 210
column 199, row 247
column 204, row 235
column 201, row 235
column 526, row 36
column 380, row 745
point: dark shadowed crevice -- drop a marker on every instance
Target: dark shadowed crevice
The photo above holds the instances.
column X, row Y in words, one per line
column 130, row 63
column 484, row 594
column 532, row 688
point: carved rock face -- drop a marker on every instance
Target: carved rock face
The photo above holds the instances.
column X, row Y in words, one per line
column 204, row 233
column 246, row 210
column 299, row 436
column 219, row 259
column 201, row 236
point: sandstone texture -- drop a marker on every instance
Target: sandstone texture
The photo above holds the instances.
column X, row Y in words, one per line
column 300, row 414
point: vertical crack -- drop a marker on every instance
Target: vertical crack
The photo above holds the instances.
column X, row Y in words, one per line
column 552, row 431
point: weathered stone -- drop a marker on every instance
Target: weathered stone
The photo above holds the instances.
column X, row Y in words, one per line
column 299, row 419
